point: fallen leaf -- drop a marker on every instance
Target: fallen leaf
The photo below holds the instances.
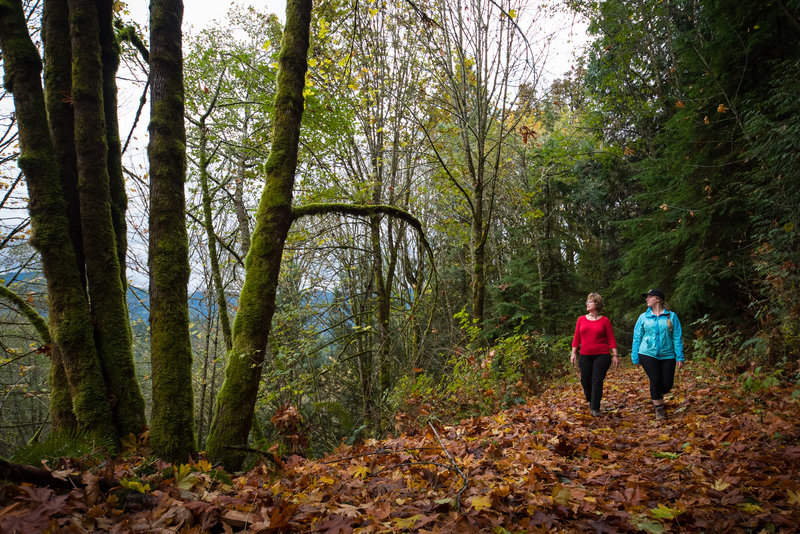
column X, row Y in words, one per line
column 481, row 503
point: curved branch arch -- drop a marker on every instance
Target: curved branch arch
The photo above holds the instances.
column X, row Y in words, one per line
column 365, row 210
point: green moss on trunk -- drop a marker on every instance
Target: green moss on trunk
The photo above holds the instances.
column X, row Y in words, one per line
column 237, row 396
column 62, row 418
column 172, row 424
column 119, row 199
column 57, row 84
column 108, row 305
column 69, row 318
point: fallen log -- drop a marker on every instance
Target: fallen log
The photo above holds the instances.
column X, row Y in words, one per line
column 65, row 480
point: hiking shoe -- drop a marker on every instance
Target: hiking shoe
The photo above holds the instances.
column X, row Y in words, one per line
column 595, row 413
column 660, row 412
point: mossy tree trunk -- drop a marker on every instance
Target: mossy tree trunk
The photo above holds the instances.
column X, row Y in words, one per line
column 103, row 271
column 236, row 399
column 57, row 87
column 86, row 280
column 70, row 323
column 207, row 363
column 237, row 396
column 57, row 83
column 110, row 51
column 172, row 426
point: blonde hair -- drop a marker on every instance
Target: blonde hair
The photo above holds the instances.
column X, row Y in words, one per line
column 666, row 308
column 597, row 299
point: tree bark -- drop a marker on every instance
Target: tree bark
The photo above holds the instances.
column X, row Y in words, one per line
column 58, row 98
column 172, row 426
column 237, row 396
column 70, row 324
column 110, row 51
column 62, row 416
column 58, row 91
column 478, row 248
column 238, row 195
column 108, row 307
column 201, row 409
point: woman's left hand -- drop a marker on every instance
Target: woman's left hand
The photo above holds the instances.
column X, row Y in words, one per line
column 680, row 365
column 615, row 361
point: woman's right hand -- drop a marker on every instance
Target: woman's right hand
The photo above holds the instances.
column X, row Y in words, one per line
column 573, row 358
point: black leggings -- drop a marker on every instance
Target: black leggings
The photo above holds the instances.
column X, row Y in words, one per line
column 661, row 374
column 593, row 372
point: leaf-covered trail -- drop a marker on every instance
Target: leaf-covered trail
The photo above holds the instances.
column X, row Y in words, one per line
column 724, row 461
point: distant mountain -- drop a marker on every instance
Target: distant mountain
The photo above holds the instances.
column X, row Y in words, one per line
column 200, row 306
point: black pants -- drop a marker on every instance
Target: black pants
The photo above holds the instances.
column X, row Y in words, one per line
column 593, row 372
column 661, row 374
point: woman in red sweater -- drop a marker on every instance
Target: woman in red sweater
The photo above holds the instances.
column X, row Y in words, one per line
column 595, row 337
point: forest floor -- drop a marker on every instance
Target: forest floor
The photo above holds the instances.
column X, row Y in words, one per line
column 725, row 460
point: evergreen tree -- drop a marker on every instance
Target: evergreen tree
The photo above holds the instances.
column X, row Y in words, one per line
column 683, row 87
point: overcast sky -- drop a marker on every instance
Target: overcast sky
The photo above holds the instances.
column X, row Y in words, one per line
column 199, row 13
column 568, row 36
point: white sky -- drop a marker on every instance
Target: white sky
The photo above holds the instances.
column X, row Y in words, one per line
column 199, row 13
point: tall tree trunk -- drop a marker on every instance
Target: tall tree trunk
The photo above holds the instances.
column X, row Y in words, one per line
column 238, row 195
column 172, row 427
column 478, row 247
column 208, row 218
column 70, row 325
column 106, row 295
column 119, row 199
column 540, row 271
column 549, row 254
column 58, row 91
column 236, row 400
column 381, row 301
column 212, row 392
column 201, row 419
column 57, row 84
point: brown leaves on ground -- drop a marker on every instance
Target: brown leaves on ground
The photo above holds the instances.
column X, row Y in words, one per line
column 723, row 461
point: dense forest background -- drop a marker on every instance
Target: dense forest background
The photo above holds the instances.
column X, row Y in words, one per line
column 451, row 210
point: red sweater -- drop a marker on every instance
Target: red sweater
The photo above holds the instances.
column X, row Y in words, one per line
column 594, row 337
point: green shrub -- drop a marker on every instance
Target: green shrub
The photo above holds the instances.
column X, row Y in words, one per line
column 757, row 380
column 479, row 381
column 75, row 445
column 728, row 346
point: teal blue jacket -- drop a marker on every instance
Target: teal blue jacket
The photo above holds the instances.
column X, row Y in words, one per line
column 652, row 336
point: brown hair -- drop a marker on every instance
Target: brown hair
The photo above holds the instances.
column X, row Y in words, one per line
column 597, row 299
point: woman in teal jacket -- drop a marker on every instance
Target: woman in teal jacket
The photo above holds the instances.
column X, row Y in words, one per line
column 658, row 346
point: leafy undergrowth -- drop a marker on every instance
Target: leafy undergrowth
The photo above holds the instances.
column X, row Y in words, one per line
column 723, row 461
